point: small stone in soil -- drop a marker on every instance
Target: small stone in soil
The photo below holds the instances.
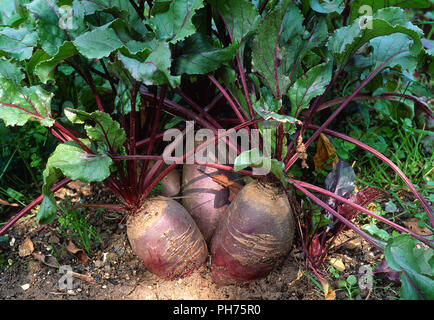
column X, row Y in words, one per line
column 98, row 263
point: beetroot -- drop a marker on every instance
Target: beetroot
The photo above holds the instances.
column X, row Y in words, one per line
column 205, row 199
column 171, row 184
column 256, row 232
column 166, row 238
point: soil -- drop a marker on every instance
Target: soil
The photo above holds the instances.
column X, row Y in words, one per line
column 116, row 273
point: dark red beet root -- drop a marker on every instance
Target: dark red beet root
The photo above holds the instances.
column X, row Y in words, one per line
column 256, row 232
column 204, row 199
column 167, row 239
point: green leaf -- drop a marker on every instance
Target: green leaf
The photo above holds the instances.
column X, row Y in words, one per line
column 45, row 69
column 56, row 25
column 38, row 57
column 375, row 5
column 48, row 209
column 10, row 70
column 264, row 111
column 392, row 50
column 173, row 21
column 98, row 43
column 347, row 40
column 327, row 6
column 79, row 165
column 103, row 129
column 373, row 230
column 21, row 104
column 275, row 47
column 248, row 158
column 18, row 43
column 416, row 264
column 254, row 158
column 351, row 280
column 278, row 169
column 309, row 86
column 241, row 18
column 197, row 55
column 70, row 160
column 155, row 69
column 10, row 13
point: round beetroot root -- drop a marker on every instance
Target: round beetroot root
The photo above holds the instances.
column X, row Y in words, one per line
column 204, row 199
column 167, row 239
column 256, row 232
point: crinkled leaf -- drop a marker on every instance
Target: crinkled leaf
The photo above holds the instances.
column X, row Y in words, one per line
column 21, row 104
column 327, row 6
column 102, row 128
column 56, row 25
column 70, row 160
column 416, row 264
column 79, row 165
column 340, row 181
column 17, row 43
column 276, row 45
column 10, row 70
column 309, row 86
column 241, row 18
column 98, row 43
column 173, row 21
column 10, row 13
column 155, row 69
column 392, row 50
column 45, row 69
column 197, row 55
column 347, row 40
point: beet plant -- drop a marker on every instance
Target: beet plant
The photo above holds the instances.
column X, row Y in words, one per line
column 109, row 77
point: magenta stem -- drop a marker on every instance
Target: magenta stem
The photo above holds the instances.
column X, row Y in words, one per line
column 31, row 205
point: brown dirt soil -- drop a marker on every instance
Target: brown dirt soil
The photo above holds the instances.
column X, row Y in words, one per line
column 119, row 274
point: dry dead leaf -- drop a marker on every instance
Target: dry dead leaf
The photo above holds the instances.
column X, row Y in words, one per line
column 77, row 252
column 299, row 275
column 413, row 225
column 324, row 151
column 26, row 248
column 329, row 293
column 47, row 260
column 233, row 186
column 300, row 148
column 225, row 181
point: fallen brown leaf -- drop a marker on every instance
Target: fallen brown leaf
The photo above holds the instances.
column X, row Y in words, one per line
column 26, row 248
column 233, row 186
column 413, row 225
column 324, row 151
column 47, row 260
column 300, row 148
column 77, row 252
column 299, row 275
column 329, row 293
